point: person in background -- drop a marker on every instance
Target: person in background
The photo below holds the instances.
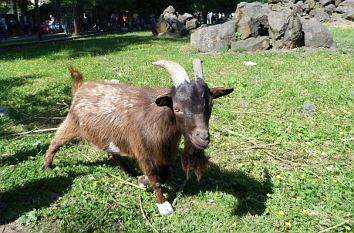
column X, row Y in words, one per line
column 153, row 25
column 3, row 28
column 85, row 23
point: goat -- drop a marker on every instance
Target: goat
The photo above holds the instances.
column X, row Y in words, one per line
column 144, row 123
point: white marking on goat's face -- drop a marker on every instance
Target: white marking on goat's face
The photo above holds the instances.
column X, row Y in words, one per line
column 112, row 148
column 165, row 208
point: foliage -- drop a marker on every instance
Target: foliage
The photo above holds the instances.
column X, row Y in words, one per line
column 280, row 142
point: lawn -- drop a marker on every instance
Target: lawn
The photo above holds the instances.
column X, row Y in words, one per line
column 282, row 142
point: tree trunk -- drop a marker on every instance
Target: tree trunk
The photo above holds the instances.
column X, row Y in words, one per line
column 37, row 20
column 75, row 20
column 17, row 23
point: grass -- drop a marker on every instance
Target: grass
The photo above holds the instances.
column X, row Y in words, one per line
column 280, row 145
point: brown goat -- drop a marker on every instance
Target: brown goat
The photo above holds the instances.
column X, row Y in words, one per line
column 144, row 123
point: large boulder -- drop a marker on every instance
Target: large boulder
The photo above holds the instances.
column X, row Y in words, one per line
column 346, row 8
column 186, row 16
column 192, row 24
column 320, row 14
column 251, row 19
column 168, row 23
column 329, row 9
column 285, row 29
column 316, row 34
column 349, row 15
column 215, row 38
column 251, row 44
column 326, row 2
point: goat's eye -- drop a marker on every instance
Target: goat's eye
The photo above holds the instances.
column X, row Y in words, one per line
column 177, row 110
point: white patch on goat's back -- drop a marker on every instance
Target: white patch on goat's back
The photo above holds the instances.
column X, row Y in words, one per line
column 165, row 208
column 112, row 148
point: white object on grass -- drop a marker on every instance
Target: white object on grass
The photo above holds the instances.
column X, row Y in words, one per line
column 249, row 63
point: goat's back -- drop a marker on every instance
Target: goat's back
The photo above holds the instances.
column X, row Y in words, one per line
column 127, row 116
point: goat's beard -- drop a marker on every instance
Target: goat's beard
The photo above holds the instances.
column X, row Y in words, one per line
column 194, row 159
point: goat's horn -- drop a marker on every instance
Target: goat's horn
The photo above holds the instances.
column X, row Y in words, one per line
column 177, row 72
column 198, row 69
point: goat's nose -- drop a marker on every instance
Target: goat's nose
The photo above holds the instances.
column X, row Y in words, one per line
column 203, row 135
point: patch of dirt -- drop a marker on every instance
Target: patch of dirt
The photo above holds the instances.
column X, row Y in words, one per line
column 13, row 227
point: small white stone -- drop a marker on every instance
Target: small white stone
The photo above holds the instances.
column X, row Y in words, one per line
column 249, row 63
column 165, row 208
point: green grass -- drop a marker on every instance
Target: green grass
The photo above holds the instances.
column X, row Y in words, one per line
column 274, row 166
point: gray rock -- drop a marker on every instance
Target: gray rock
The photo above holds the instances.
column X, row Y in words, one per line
column 347, row 3
column 215, row 38
column 299, row 7
column 251, row 19
column 191, row 24
column 345, row 7
column 349, row 15
column 251, row 44
column 316, row 34
column 326, row 2
column 170, row 9
column 329, row 9
column 186, row 16
column 320, row 14
column 285, row 29
column 168, row 22
column 337, row 2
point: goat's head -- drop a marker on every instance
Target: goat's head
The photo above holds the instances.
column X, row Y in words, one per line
column 191, row 102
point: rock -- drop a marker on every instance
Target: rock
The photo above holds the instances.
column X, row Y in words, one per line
column 191, row 24
column 169, row 23
column 170, row 9
column 315, row 34
column 215, row 38
column 349, row 15
column 337, row 2
column 325, row 2
column 285, row 29
column 329, row 9
column 186, row 16
column 251, row 44
column 347, row 3
column 299, row 7
column 251, row 19
column 345, row 7
column 320, row 14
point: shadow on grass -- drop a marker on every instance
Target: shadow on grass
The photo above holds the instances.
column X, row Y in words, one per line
column 23, row 154
column 251, row 194
column 33, row 195
column 35, row 108
column 92, row 46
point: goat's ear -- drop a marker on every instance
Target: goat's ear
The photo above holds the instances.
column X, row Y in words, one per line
column 164, row 100
column 217, row 92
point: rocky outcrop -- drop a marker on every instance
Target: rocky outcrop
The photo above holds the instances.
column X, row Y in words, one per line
column 257, row 26
column 216, row 38
column 322, row 10
column 315, row 34
column 171, row 25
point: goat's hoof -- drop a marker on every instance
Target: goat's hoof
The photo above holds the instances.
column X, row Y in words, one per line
column 143, row 181
column 46, row 167
column 165, row 208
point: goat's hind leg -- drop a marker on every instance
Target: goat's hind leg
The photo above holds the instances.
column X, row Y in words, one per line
column 122, row 164
column 66, row 132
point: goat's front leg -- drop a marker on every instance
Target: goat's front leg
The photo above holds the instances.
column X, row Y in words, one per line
column 151, row 174
column 164, row 207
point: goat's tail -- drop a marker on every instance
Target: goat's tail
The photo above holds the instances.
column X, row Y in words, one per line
column 77, row 78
